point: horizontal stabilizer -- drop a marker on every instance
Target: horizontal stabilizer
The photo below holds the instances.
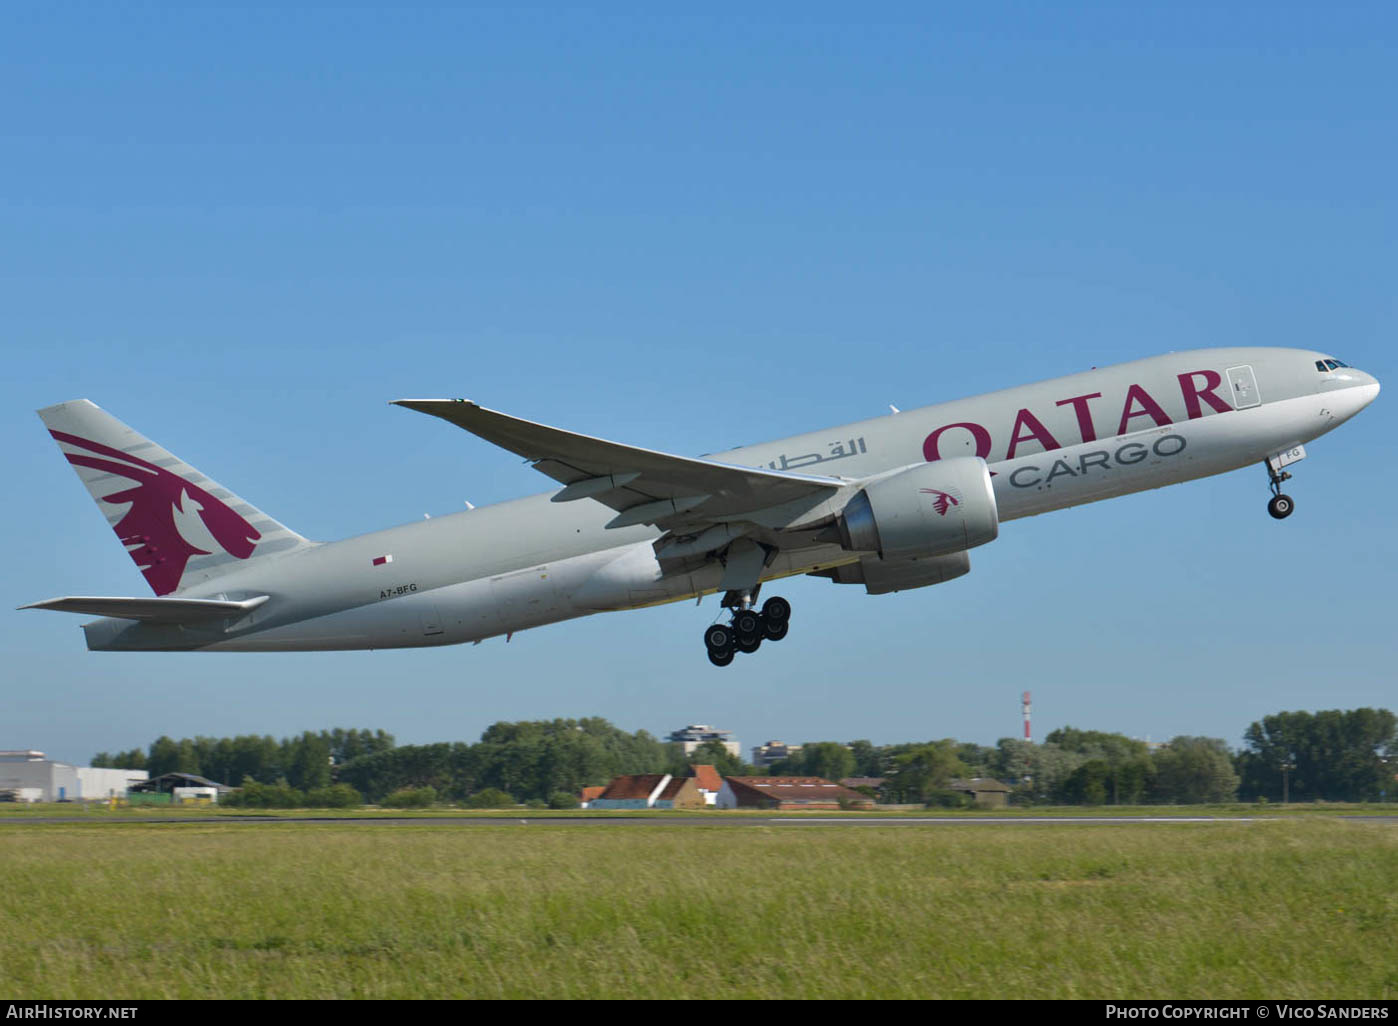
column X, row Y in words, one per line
column 152, row 610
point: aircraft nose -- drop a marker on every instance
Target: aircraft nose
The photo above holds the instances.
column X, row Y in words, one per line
column 1368, row 384
column 1347, row 390
column 1357, row 384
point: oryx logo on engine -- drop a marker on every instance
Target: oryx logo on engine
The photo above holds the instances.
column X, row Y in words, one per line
column 944, row 500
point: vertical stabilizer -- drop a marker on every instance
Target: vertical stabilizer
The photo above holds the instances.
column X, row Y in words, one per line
column 181, row 528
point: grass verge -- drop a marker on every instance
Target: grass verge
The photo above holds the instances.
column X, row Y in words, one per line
column 1303, row 908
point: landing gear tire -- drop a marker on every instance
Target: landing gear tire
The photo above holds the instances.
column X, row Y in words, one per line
column 776, row 610
column 748, row 628
column 749, row 643
column 720, row 638
column 747, row 624
column 1280, row 506
column 721, row 658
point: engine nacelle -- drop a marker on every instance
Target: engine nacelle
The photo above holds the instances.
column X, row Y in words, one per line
column 880, row 577
column 932, row 509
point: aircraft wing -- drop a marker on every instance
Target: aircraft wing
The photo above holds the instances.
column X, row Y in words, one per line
column 152, row 610
column 642, row 485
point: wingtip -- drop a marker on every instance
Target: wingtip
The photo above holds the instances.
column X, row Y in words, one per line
column 66, row 404
column 418, row 404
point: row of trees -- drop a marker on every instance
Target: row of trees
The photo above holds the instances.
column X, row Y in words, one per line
column 1334, row 755
column 306, row 762
column 1071, row 766
column 530, row 760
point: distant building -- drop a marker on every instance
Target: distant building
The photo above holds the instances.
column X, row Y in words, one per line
column 788, row 793
column 181, row 786
column 588, row 795
column 772, row 753
column 650, row 791
column 694, row 735
column 987, row 793
column 27, row 776
column 874, row 784
column 97, row 783
column 708, row 782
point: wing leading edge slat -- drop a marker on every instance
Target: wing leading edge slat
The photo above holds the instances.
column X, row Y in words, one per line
column 699, row 490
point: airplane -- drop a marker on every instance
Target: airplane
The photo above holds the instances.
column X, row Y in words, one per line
column 892, row 503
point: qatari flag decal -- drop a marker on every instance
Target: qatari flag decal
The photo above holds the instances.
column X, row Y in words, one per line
column 381, row 560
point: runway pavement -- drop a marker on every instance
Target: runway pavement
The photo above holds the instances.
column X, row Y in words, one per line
column 708, row 820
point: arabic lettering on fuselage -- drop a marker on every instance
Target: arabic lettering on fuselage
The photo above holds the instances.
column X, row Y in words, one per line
column 838, row 451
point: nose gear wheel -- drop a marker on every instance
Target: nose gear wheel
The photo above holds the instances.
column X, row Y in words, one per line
column 1279, row 506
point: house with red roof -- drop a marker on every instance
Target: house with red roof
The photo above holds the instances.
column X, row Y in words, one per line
column 788, row 793
column 709, row 783
column 650, row 791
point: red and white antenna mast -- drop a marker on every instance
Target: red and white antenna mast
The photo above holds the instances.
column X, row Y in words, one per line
column 1026, row 717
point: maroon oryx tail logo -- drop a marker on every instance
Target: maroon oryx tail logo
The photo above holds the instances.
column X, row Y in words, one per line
column 150, row 529
column 944, row 501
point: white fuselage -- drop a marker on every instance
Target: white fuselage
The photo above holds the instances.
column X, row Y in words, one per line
column 521, row 564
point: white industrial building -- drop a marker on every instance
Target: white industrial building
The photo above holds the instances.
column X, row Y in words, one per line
column 94, row 782
column 27, row 776
column 694, row 735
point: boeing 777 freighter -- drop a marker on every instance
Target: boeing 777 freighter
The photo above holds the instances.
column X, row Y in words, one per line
column 891, row 503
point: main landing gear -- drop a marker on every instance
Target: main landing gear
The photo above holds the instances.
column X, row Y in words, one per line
column 1279, row 505
column 747, row 630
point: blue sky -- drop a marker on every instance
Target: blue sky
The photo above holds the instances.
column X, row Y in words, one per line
column 244, row 230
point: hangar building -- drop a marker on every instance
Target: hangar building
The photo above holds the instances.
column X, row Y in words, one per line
column 27, row 776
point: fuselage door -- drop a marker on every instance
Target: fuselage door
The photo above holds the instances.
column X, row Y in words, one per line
column 431, row 619
column 1244, row 386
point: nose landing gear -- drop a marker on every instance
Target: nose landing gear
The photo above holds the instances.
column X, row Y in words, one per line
column 1279, row 506
column 747, row 630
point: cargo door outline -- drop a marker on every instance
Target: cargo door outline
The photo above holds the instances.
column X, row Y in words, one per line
column 1243, row 384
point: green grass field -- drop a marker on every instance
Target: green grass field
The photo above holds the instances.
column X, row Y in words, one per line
column 98, row 811
column 1301, row 908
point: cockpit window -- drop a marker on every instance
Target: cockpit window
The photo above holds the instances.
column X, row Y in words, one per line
column 1328, row 365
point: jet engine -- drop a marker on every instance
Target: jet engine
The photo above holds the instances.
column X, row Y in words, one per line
column 931, row 509
column 880, row 577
